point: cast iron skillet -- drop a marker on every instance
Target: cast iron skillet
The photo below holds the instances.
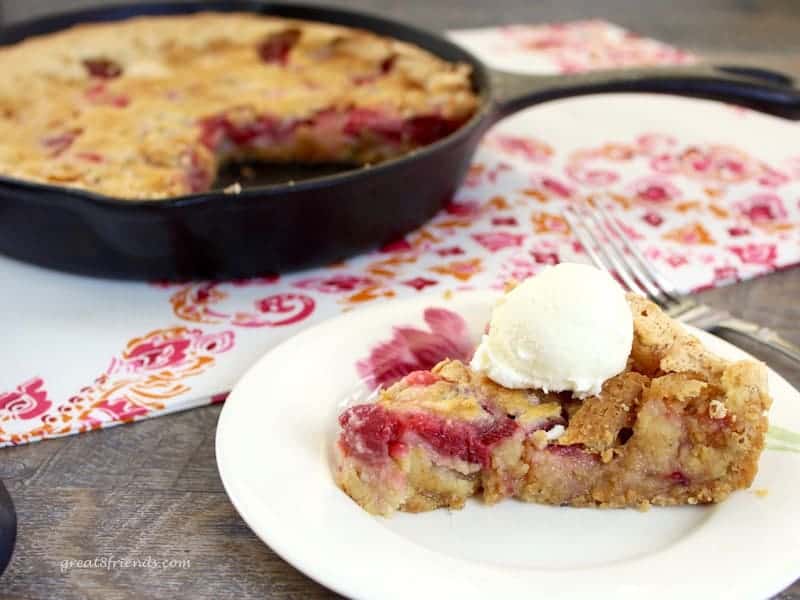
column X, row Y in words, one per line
column 8, row 528
column 275, row 228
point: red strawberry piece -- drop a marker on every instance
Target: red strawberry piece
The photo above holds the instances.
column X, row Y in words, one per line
column 212, row 131
column 264, row 127
column 679, row 478
column 569, row 451
column 198, row 178
column 397, row 449
column 424, row 378
column 387, row 64
column 102, row 68
column 372, row 433
column 500, row 430
column 90, row 157
column 365, row 79
column 368, row 431
column 216, row 129
column 59, row 142
column 362, row 120
column 275, row 47
column 98, row 94
column 449, row 438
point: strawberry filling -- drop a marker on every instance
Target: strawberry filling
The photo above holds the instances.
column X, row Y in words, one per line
column 58, row 143
column 679, row 478
column 220, row 130
column 102, row 68
column 275, row 48
column 372, row 434
column 570, row 451
column 198, row 177
column 421, row 378
column 384, row 68
column 362, row 120
column 225, row 134
column 93, row 157
column 99, row 94
column 421, row 130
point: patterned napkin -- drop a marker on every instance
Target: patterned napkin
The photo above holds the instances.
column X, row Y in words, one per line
column 710, row 192
column 571, row 47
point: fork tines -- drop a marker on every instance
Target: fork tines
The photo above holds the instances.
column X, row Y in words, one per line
column 610, row 249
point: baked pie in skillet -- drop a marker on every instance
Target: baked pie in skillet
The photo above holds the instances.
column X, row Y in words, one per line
column 151, row 107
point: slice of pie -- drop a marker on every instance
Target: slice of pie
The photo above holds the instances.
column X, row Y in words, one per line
column 151, row 107
column 678, row 426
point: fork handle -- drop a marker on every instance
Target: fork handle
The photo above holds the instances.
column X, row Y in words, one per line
column 764, row 335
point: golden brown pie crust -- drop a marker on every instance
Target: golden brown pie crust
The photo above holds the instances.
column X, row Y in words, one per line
column 149, row 107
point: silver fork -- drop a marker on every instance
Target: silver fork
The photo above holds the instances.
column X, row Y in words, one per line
column 611, row 250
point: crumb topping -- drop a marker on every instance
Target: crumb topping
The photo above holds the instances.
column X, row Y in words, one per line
column 717, row 409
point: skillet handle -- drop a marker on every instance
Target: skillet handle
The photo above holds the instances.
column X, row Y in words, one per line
column 762, row 90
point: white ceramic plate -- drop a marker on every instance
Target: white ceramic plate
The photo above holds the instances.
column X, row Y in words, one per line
column 274, row 451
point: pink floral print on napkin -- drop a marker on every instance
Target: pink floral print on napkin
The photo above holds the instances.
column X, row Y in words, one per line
column 587, row 45
column 412, row 349
column 205, row 303
column 569, row 47
column 149, row 373
column 26, row 402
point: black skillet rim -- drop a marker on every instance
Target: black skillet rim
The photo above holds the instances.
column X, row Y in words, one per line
column 480, row 79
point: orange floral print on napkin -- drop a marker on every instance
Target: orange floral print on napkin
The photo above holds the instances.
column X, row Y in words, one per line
column 149, row 371
column 544, row 222
column 694, row 234
column 462, row 270
column 368, row 294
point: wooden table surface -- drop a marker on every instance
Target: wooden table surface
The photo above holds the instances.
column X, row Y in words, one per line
column 152, row 488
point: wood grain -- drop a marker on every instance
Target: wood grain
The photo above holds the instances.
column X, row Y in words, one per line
column 152, row 489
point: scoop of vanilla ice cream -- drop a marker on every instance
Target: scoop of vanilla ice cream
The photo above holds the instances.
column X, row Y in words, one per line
column 569, row 328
